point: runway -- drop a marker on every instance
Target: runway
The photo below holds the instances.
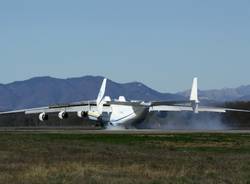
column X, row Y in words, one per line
column 125, row 131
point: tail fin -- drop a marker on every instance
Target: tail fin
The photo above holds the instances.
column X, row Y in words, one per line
column 102, row 92
column 194, row 95
column 194, row 91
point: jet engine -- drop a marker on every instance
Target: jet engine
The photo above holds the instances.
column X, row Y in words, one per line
column 43, row 116
column 82, row 114
column 94, row 115
column 63, row 115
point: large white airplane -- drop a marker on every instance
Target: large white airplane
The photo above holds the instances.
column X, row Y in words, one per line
column 121, row 112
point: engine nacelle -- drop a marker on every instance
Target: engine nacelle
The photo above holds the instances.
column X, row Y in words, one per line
column 43, row 116
column 94, row 115
column 63, row 115
column 82, row 114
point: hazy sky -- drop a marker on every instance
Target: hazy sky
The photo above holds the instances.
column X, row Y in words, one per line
column 161, row 43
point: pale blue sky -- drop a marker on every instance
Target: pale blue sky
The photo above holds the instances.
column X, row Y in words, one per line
column 158, row 42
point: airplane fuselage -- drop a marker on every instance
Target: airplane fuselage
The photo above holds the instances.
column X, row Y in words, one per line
column 127, row 114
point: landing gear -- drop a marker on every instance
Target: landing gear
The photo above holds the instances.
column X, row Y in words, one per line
column 103, row 124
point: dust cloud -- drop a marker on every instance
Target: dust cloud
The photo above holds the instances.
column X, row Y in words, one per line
column 183, row 121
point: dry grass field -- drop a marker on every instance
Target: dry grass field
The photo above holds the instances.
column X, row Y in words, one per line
column 38, row 158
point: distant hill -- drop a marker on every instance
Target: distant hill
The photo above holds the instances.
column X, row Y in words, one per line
column 43, row 91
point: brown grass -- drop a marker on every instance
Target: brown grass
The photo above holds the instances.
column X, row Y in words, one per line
column 54, row 158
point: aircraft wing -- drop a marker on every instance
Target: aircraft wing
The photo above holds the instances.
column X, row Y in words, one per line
column 176, row 108
column 59, row 108
column 157, row 103
column 13, row 112
column 90, row 111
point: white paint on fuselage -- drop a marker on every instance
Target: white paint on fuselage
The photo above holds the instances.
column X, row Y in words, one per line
column 126, row 114
column 121, row 114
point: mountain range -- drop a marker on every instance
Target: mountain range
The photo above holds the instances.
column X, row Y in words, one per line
column 43, row 91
